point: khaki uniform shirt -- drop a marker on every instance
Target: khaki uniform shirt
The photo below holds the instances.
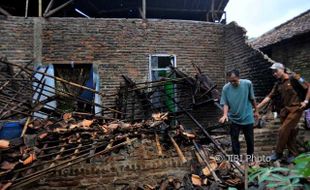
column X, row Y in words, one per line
column 289, row 96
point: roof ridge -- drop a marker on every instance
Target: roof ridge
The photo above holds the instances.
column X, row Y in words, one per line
column 295, row 25
column 286, row 22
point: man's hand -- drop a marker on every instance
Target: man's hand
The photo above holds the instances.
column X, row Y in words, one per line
column 256, row 115
column 303, row 105
column 223, row 119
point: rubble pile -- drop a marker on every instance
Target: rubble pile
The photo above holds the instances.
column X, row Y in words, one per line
column 51, row 145
column 52, row 139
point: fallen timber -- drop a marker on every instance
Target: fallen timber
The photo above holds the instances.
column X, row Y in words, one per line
column 64, row 139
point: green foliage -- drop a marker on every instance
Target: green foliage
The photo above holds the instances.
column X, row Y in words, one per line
column 276, row 177
column 303, row 164
column 283, row 178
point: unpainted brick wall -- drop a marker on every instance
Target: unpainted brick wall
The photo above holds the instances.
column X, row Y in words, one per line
column 293, row 53
column 253, row 64
column 117, row 46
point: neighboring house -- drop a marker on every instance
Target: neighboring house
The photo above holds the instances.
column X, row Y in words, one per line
column 289, row 43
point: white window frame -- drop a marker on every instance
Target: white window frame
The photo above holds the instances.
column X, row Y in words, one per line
column 159, row 55
column 150, row 67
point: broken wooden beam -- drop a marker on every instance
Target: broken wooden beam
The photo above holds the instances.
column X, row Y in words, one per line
column 53, row 11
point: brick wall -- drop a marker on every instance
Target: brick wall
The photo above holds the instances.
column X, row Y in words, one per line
column 252, row 63
column 117, row 46
column 136, row 165
column 293, row 53
column 123, row 46
column 16, row 36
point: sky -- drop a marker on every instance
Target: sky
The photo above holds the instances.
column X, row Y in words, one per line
column 260, row 16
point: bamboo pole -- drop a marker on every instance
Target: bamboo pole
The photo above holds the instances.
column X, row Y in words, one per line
column 56, row 78
column 26, row 9
column 51, row 12
column 32, row 177
column 11, row 99
column 17, row 74
column 64, row 81
column 49, row 6
column 4, row 12
column 40, row 8
column 25, row 126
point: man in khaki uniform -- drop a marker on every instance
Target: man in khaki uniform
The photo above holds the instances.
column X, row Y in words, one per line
column 291, row 110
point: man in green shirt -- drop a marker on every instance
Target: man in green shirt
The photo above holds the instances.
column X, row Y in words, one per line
column 238, row 100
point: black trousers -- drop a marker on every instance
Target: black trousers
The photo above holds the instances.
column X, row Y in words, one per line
column 248, row 135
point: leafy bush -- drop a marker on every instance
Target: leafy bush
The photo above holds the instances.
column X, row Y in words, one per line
column 303, row 164
column 283, row 178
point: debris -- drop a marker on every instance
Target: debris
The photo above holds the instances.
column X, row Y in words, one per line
column 196, row 180
column 147, row 113
column 213, row 165
column 4, row 144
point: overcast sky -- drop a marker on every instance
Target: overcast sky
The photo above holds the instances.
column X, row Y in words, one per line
column 260, row 16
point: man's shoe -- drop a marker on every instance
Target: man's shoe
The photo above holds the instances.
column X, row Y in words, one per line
column 275, row 156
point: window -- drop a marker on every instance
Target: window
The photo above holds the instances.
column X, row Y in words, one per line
column 159, row 68
column 83, row 74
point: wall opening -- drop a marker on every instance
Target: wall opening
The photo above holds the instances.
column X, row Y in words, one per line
column 159, row 67
column 72, row 98
column 81, row 74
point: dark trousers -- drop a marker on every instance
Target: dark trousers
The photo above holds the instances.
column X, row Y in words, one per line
column 248, row 135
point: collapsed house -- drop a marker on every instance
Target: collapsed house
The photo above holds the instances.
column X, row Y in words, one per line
column 149, row 112
column 115, row 103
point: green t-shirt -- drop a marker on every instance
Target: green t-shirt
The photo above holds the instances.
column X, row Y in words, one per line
column 238, row 99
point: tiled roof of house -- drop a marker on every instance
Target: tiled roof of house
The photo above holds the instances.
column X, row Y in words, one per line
column 296, row 26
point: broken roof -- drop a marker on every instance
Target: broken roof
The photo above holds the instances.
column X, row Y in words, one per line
column 163, row 9
column 291, row 28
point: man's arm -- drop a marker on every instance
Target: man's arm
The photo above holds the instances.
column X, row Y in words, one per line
column 256, row 114
column 273, row 93
column 265, row 101
column 224, row 102
column 252, row 100
column 307, row 98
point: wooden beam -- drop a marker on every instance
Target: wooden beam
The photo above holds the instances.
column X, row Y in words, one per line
column 51, row 12
column 212, row 10
column 4, row 12
column 40, row 8
column 49, row 6
column 220, row 5
column 26, row 8
column 144, row 9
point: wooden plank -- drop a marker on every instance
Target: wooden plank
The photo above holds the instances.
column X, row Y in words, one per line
column 26, row 8
column 40, row 8
column 53, row 11
column 143, row 9
column 4, row 12
column 49, row 6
